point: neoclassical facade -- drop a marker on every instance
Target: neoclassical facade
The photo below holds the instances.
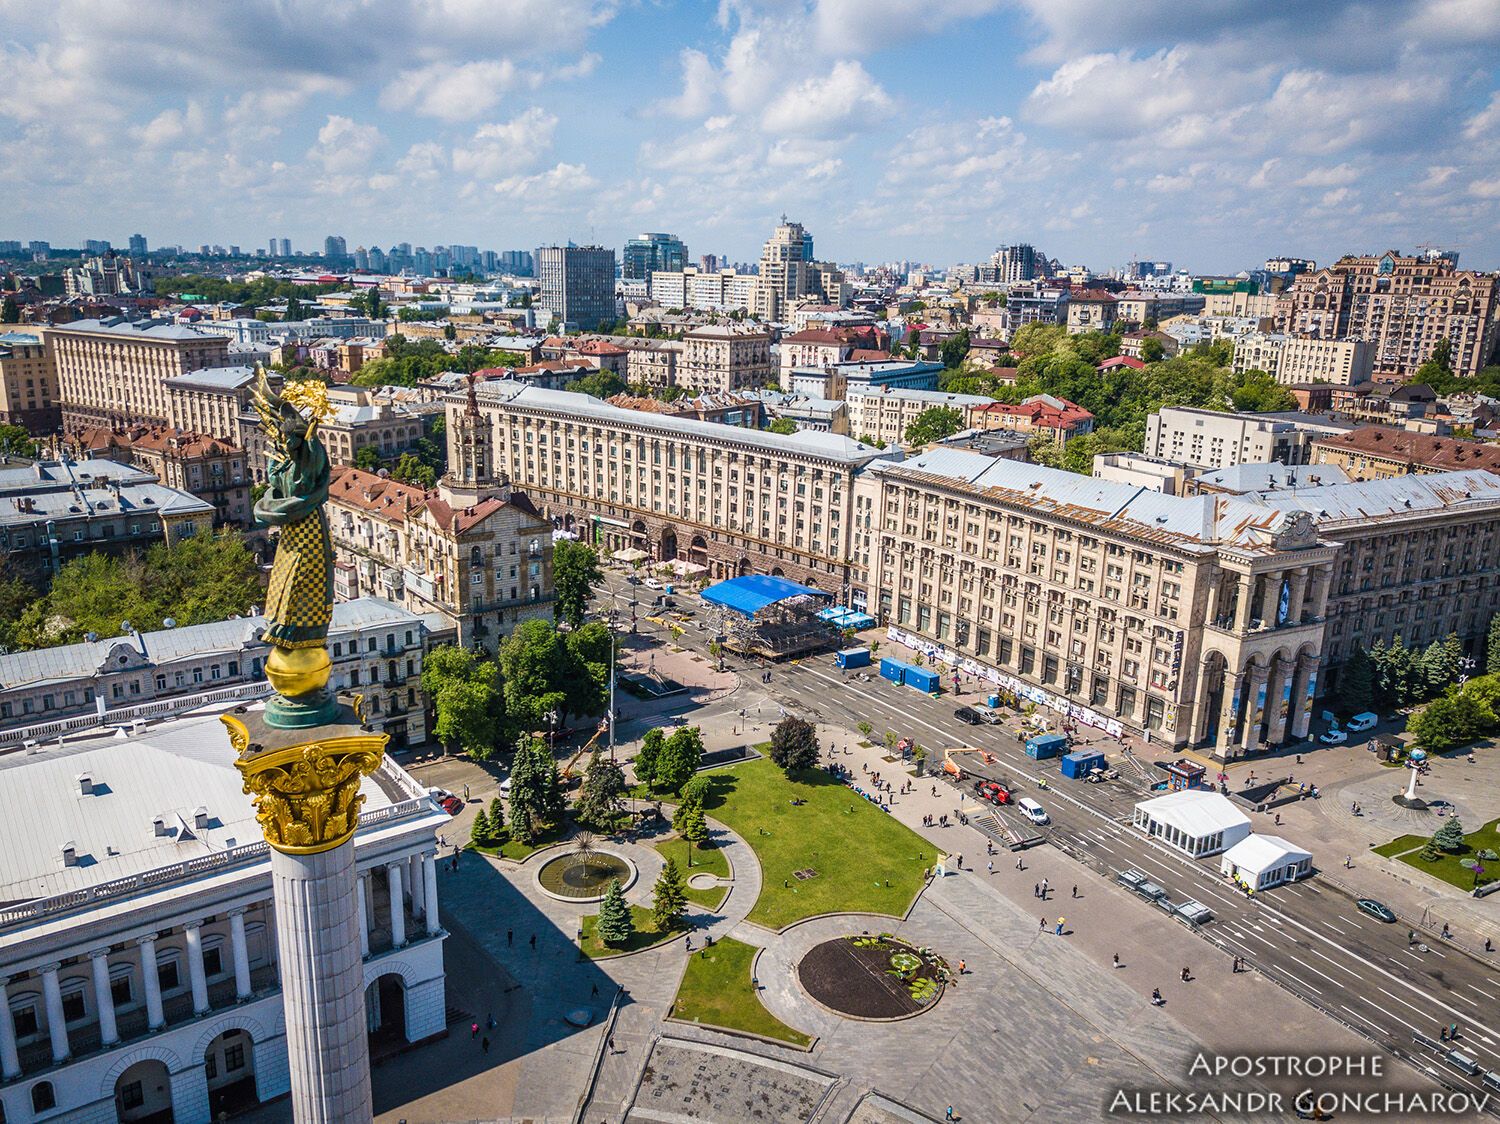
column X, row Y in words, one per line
column 732, row 499
column 138, row 957
column 1197, row 620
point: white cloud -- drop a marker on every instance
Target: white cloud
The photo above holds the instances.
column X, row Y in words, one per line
column 500, row 149
column 560, row 179
column 845, row 98
column 700, row 83
column 170, row 126
column 451, row 93
column 344, row 146
column 860, row 26
column 1485, row 125
column 1486, row 189
column 1340, row 175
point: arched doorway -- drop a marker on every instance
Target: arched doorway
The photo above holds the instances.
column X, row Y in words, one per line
column 1211, row 697
column 229, row 1066
column 776, row 572
column 668, row 545
column 385, row 1010
column 638, row 534
column 745, row 567
column 698, row 550
column 143, row 1094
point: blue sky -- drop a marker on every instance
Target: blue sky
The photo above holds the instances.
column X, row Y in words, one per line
column 1212, row 133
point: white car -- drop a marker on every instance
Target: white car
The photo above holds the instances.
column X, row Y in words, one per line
column 652, row 583
column 505, row 788
column 1033, row 811
column 1334, row 736
column 1361, row 722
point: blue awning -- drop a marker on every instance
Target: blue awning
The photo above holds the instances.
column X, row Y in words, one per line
column 753, row 592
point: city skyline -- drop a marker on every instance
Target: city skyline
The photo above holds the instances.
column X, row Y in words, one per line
column 892, row 131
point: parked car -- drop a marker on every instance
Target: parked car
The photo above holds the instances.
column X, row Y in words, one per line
column 652, row 583
column 1335, row 736
column 969, row 715
column 991, row 714
column 1033, row 811
column 1377, row 910
column 1361, row 722
column 993, row 791
column 452, row 804
column 505, row 788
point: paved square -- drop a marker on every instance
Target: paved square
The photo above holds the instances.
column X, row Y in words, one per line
column 693, row 1081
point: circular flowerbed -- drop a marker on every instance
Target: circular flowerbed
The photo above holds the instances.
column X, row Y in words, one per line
column 872, row 977
column 583, row 879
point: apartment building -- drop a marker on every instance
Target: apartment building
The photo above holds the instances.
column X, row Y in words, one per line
column 1198, row 620
column 114, row 372
column 52, row 512
column 472, row 550
column 1091, row 310
column 732, row 499
column 577, row 284
column 28, row 384
column 212, row 469
column 881, row 414
column 361, row 420
column 1419, row 558
column 138, row 957
column 1135, row 307
column 814, row 347
column 784, row 271
column 725, row 357
column 1401, row 306
column 1293, row 360
column 1041, row 413
column 376, row 647
column 1378, row 452
column 214, row 401
column 1209, row 439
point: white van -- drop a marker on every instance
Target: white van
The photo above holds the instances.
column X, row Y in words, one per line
column 1365, row 721
column 1032, row 810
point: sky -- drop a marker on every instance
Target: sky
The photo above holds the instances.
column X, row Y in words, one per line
column 1212, row 133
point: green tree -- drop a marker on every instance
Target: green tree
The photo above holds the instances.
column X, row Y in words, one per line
column 367, row 457
column 293, row 309
column 497, row 812
column 409, row 469
column 575, row 575
column 534, row 666
column 1449, row 836
column 1492, row 646
column 1356, row 685
column 480, row 832
column 16, row 441
column 535, row 794
column 601, row 384
column 586, row 683
column 616, row 925
column 681, row 754
column 601, row 800
column 465, row 693
column 668, row 897
column 933, row 424
column 647, row 757
column 794, row 744
column 10, row 311
column 955, row 349
column 1442, row 354
column 784, row 426
column 690, row 823
column 1152, row 350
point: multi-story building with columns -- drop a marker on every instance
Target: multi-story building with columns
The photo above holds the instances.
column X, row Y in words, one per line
column 139, row 974
column 1198, row 620
column 732, row 499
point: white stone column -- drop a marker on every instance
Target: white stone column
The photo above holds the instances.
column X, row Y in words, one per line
column 398, row 911
column 192, row 932
column 1255, row 707
column 1279, row 700
column 57, row 1023
column 109, row 1032
column 1305, row 686
column 369, row 900
column 322, row 985
column 241, row 952
column 10, row 1060
column 415, row 884
column 1270, row 599
column 364, row 928
column 430, row 894
column 1242, row 605
column 151, row 982
column 1297, row 600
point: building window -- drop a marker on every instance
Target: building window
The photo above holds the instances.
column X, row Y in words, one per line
column 119, row 988
column 132, row 1096
column 72, row 1005
column 168, row 975
column 42, row 1097
column 27, row 1023
column 213, row 961
column 234, row 1057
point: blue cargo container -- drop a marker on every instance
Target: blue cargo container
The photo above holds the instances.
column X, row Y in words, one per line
column 853, row 657
column 894, row 670
column 921, row 679
column 1077, row 766
column 1046, row 745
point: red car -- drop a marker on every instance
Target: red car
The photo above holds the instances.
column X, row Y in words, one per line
column 449, row 803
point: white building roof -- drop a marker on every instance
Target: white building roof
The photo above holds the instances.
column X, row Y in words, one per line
column 1186, row 522
column 149, row 329
column 1390, row 499
column 932, row 397
column 214, row 378
column 1195, row 812
column 830, row 446
column 170, row 771
column 1274, row 476
column 1260, row 853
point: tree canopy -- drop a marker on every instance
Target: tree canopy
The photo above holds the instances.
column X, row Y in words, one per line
column 794, row 744
column 408, row 362
column 464, row 690
column 575, row 574
column 601, row 384
column 933, row 424
column 221, row 289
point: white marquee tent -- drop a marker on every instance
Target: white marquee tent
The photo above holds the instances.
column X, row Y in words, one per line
column 1259, row 862
column 1194, row 821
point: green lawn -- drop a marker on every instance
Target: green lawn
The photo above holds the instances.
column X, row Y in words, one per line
column 706, row 860
column 1400, row 845
column 646, row 934
column 1448, row 869
column 855, row 848
column 716, row 991
column 518, row 852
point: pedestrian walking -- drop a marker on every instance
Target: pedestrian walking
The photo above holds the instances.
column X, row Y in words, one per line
column 1036, row 889
column 1019, row 864
column 533, row 942
column 484, row 1043
column 489, row 1021
column 1059, row 929
column 962, row 968
column 473, row 1031
column 1186, row 974
column 1044, row 887
column 688, row 942
column 950, row 1113
column 989, row 868
column 595, row 990
column 1117, row 960
column 510, row 936
column 1075, row 891
column 1044, row 925
column 1443, row 1034
column 1156, row 999
column 960, row 862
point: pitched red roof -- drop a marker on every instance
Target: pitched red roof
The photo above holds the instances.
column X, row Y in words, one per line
column 1041, row 413
column 1449, row 454
column 1122, row 361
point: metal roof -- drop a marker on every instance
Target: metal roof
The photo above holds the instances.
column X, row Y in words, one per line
column 214, row 378
column 1392, row 498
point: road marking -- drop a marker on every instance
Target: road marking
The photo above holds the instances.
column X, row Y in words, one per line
column 1325, row 975
column 1335, row 963
column 1301, row 983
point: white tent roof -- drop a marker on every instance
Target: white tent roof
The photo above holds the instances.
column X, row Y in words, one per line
column 1260, row 853
column 1195, row 812
column 631, row 554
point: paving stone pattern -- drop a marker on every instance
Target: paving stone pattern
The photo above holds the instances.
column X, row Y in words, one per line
column 694, row 1081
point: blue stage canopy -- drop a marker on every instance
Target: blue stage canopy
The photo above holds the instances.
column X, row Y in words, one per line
column 753, row 592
